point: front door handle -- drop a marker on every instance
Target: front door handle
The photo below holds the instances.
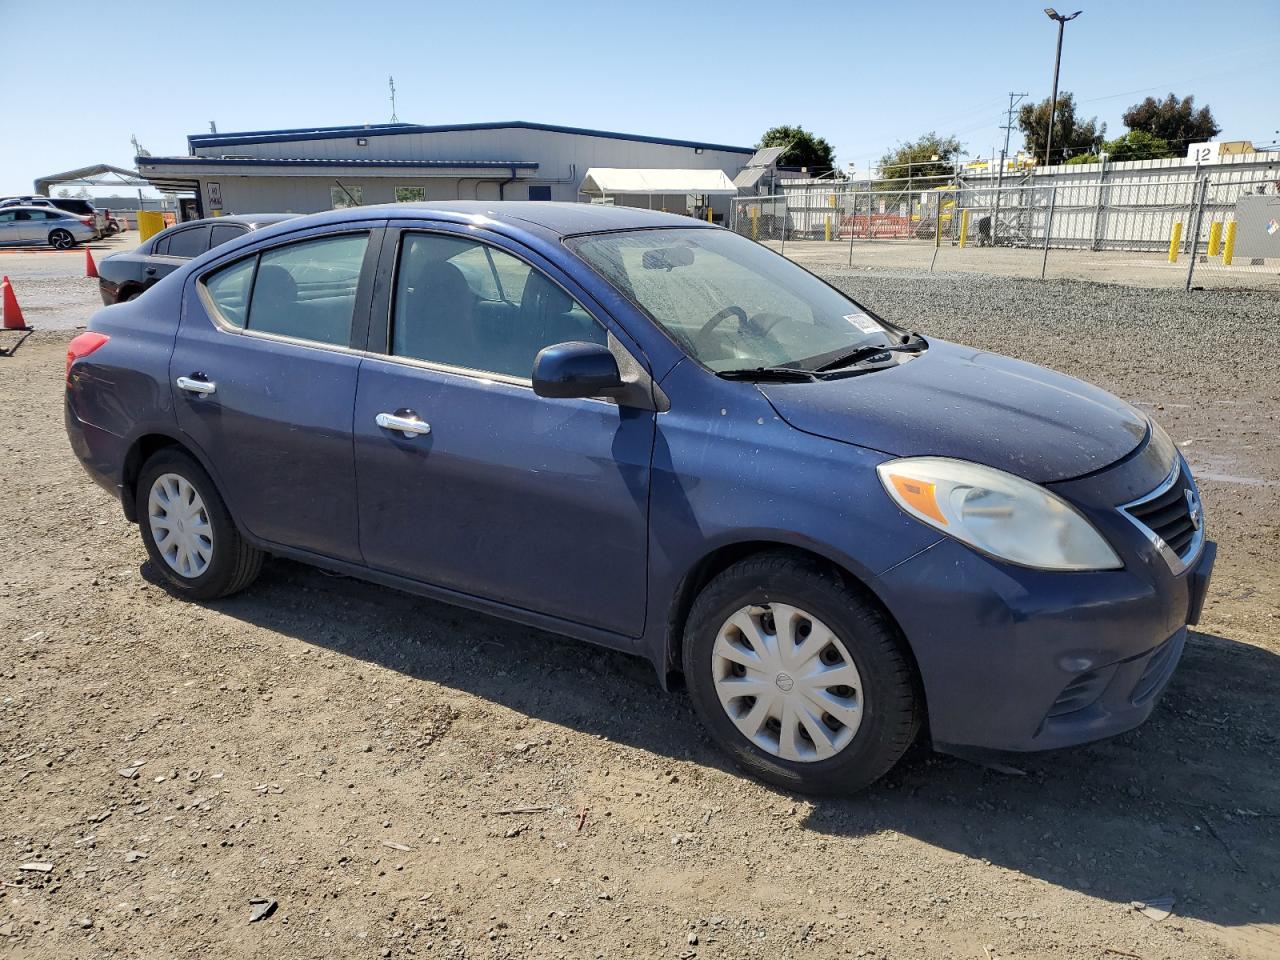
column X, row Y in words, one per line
column 201, row 387
column 150, row 271
column 408, row 423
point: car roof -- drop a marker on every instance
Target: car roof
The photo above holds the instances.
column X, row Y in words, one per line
column 26, row 206
column 249, row 219
column 561, row 219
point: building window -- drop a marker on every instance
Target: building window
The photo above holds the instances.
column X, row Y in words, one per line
column 540, row 193
column 411, row 194
column 341, row 197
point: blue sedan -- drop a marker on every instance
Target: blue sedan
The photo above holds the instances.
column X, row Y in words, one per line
column 645, row 432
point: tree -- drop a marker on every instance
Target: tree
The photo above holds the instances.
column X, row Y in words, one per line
column 928, row 156
column 803, row 149
column 1070, row 134
column 1134, row 145
column 1174, row 121
column 1138, row 145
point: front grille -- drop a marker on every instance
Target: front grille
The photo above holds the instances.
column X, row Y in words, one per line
column 1167, row 513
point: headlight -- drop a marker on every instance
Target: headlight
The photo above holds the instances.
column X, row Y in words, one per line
column 997, row 513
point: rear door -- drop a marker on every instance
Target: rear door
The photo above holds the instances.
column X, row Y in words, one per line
column 173, row 250
column 264, row 379
column 10, row 231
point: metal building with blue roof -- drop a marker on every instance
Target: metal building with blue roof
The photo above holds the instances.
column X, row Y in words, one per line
column 308, row 169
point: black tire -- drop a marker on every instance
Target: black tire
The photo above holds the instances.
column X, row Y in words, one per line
column 892, row 707
column 61, row 239
column 234, row 564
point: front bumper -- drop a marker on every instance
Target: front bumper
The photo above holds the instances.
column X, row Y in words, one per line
column 1014, row 659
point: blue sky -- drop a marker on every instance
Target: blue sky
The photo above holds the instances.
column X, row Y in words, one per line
column 864, row 76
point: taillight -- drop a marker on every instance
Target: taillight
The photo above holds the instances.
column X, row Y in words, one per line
column 87, row 221
column 82, row 346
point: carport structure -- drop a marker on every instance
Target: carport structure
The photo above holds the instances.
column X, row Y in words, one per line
column 631, row 184
column 98, row 175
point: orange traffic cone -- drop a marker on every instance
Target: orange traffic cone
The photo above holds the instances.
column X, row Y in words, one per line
column 90, row 268
column 13, row 319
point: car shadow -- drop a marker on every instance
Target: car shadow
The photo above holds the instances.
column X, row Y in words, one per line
column 1187, row 805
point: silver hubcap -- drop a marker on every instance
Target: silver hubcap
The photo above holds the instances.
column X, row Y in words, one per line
column 61, row 241
column 180, row 525
column 787, row 682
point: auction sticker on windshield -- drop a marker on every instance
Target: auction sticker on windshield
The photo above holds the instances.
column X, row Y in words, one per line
column 863, row 322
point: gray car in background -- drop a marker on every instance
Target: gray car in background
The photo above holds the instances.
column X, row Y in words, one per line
column 44, row 225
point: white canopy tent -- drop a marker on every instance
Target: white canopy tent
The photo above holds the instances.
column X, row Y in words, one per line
column 619, row 181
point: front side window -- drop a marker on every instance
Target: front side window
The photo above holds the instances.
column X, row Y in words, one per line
column 224, row 232
column 729, row 302
column 187, row 243
column 307, row 290
column 342, row 197
column 466, row 304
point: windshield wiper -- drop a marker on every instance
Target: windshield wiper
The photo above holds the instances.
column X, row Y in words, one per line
column 859, row 354
column 773, row 374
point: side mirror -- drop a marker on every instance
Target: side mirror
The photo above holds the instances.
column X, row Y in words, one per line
column 575, row 369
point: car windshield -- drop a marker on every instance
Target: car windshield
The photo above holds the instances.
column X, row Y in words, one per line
column 729, row 302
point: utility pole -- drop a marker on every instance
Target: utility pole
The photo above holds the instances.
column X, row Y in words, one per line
column 1007, row 127
column 1057, row 62
column 391, row 82
column 213, row 127
column 1014, row 100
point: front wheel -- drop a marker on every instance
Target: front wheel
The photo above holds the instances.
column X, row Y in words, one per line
column 188, row 532
column 61, row 239
column 800, row 677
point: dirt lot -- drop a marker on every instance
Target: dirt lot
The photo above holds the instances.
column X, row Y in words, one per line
column 349, row 751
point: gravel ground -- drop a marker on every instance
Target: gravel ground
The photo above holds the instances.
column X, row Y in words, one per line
column 355, row 754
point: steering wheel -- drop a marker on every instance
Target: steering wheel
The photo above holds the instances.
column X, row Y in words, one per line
column 721, row 315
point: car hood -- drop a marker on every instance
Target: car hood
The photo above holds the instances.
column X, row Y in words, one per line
column 954, row 401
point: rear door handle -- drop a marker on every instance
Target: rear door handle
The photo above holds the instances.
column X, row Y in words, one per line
column 408, row 424
column 150, row 271
column 201, row 387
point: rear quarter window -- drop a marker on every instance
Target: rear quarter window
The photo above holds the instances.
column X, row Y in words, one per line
column 229, row 290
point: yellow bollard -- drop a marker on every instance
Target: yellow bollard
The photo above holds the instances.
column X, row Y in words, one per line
column 1175, row 238
column 708, row 214
column 1215, row 237
column 755, row 223
column 149, row 224
column 964, row 227
column 1229, row 247
column 826, row 229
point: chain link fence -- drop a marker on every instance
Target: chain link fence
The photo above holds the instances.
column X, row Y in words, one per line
column 1192, row 232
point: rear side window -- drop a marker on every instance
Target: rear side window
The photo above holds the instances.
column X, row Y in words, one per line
column 223, row 232
column 188, row 243
column 307, row 290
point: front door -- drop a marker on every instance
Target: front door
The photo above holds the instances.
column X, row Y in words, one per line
column 494, row 491
column 264, row 382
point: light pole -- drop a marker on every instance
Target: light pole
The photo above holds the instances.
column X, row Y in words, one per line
column 1057, row 61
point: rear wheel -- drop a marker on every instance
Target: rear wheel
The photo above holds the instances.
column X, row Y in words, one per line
column 61, row 239
column 188, row 532
column 799, row 677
